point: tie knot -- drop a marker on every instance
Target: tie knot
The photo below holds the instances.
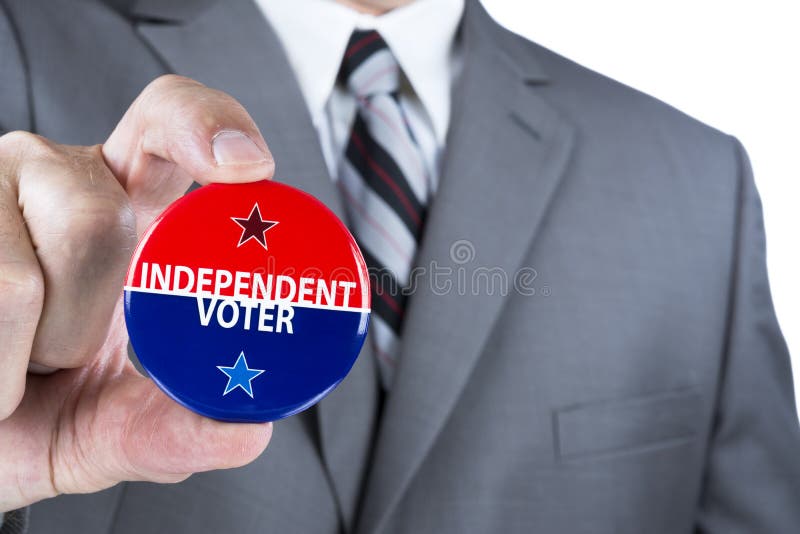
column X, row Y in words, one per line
column 369, row 67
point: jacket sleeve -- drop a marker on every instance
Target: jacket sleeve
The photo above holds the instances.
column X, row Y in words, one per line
column 15, row 109
column 752, row 481
column 14, row 522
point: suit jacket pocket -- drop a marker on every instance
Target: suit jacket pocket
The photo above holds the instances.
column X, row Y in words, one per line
column 631, row 424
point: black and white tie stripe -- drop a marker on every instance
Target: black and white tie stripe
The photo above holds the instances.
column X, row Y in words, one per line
column 386, row 186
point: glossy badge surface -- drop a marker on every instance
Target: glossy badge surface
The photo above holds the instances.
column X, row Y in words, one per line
column 247, row 302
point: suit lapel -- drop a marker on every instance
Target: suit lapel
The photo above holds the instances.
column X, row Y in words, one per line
column 506, row 151
column 229, row 46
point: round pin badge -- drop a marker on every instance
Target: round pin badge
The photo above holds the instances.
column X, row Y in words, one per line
column 247, row 302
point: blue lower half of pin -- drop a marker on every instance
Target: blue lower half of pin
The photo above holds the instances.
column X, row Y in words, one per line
column 299, row 369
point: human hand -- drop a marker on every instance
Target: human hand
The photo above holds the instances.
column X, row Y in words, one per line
column 69, row 221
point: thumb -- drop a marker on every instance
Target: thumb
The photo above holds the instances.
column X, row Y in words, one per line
column 178, row 131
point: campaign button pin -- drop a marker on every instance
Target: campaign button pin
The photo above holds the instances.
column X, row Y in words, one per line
column 247, row 302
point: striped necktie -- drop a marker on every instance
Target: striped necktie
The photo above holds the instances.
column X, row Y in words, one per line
column 385, row 185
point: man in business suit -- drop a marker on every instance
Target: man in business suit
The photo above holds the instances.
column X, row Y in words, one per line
column 631, row 376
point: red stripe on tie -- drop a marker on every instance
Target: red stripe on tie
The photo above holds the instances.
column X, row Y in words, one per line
column 358, row 45
column 401, row 137
column 386, row 178
column 375, row 224
column 391, row 302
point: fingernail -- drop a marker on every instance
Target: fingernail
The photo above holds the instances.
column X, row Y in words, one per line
column 235, row 148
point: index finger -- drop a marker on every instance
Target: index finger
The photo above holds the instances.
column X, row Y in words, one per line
column 179, row 130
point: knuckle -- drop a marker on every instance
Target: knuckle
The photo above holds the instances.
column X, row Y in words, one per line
column 192, row 117
column 187, row 101
column 166, row 84
column 20, row 142
column 21, row 286
column 177, row 101
column 99, row 211
column 104, row 222
column 94, row 205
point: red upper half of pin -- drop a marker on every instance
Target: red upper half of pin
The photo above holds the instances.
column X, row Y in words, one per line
column 262, row 240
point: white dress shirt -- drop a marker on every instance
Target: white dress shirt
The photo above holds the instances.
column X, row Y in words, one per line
column 421, row 35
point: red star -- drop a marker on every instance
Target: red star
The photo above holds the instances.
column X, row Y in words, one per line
column 254, row 227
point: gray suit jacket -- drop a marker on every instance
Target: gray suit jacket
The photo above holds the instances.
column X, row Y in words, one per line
column 592, row 346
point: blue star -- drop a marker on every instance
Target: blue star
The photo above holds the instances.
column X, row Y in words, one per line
column 240, row 376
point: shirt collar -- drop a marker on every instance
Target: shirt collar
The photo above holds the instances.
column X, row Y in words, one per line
column 314, row 34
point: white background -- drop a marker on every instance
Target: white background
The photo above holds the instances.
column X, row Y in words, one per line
column 732, row 64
